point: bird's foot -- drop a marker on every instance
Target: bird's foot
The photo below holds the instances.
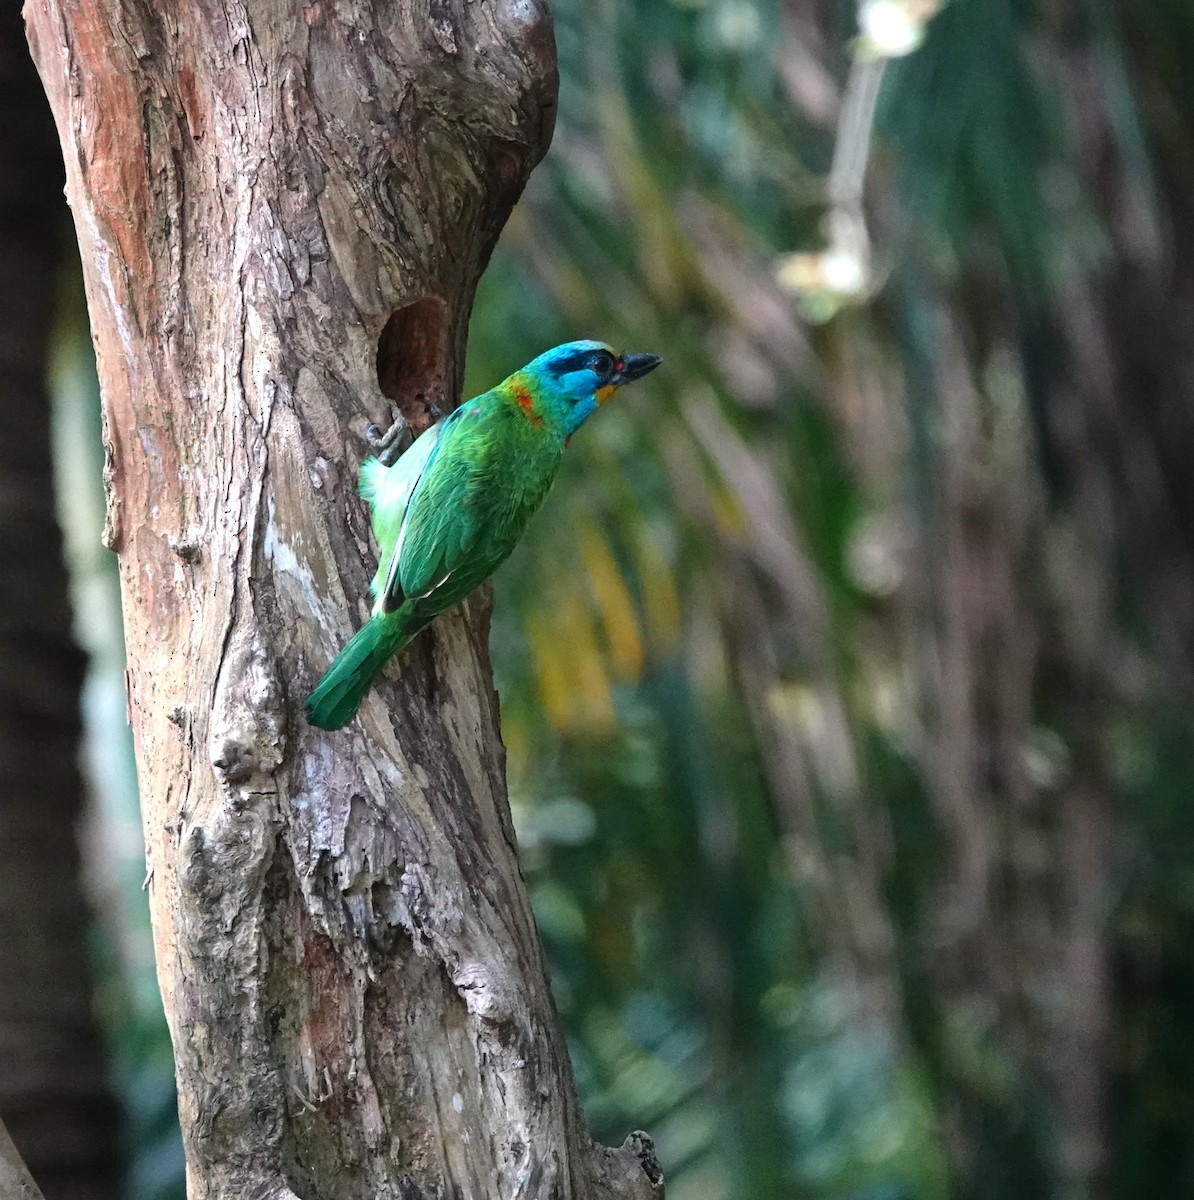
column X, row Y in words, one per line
column 390, row 444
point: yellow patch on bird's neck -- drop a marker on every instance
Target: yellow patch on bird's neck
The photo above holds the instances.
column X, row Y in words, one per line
column 602, row 394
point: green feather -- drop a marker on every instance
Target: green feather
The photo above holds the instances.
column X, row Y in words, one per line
column 336, row 698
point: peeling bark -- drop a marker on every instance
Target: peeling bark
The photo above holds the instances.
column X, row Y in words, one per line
column 283, row 212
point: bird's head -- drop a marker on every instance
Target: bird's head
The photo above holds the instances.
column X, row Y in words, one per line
column 575, row 379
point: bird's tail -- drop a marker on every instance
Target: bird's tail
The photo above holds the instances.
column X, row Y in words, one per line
column 338, row 695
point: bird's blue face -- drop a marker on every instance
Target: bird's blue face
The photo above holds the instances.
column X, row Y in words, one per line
column 578, row 377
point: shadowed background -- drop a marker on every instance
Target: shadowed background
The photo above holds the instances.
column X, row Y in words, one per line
column 846, row 675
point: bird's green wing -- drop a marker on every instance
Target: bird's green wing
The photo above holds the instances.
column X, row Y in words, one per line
column 442, row 522
column 486, row 475
column 388, row 490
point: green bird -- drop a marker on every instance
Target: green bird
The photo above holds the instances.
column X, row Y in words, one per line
column 448, row 513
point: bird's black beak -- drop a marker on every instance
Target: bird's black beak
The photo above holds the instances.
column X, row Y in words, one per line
column 635, row 366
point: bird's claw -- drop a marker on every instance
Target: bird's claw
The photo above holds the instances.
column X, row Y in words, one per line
column 390, row 444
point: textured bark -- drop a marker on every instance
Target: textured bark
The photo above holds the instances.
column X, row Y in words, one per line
column 15, row 1181
column 53, row 1093
column 283, row 212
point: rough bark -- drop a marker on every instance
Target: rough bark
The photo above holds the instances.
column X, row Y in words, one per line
column 53, row 1093
column 283, row 211
column 15, row 1181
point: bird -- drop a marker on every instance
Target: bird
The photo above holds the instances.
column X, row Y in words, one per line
column 450, row 510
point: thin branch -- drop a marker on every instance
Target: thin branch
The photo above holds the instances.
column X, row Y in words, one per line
column 854, row 126
column 841, row 273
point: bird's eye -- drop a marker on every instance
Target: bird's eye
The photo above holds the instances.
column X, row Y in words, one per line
column 603, row 364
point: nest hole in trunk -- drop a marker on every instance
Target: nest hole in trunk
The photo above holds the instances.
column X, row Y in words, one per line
column 414, row 360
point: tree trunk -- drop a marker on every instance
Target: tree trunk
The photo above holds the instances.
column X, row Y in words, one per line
column 53, row 1092
column 283, row 212
column 15, row 1181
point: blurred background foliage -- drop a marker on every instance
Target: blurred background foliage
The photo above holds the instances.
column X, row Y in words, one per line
column 846, row 677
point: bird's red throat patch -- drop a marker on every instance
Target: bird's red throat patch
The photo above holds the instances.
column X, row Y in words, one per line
column 525, row 401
